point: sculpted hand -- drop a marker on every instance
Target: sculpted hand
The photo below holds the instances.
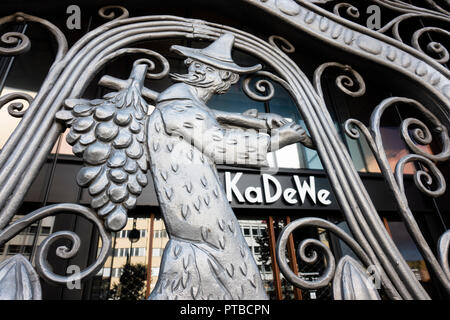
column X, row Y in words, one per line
column 251, row 113
column 288, row 134
column 273, row 120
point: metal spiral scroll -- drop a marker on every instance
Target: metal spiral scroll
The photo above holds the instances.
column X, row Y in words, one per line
column 286, row 46
column 343, row 82
column 351, row 10
column 263, row 86
column 412, row 131
column 105, row 80
column 42, row 265
column 421, row 176
column 435, row 50
column 102, row 12
column 21, row 42
column 15, row 109
column 314, row 244
column 429, row 12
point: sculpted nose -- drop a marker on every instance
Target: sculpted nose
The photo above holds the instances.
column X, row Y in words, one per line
column 200, row 71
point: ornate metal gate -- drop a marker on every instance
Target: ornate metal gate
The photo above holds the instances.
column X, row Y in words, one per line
column 96, row 123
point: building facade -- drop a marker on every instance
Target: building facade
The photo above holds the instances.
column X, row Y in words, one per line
column 368, row 80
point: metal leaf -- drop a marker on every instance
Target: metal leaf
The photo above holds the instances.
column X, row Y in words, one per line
column 351, row 282
column 444, row 252
column 18, row 280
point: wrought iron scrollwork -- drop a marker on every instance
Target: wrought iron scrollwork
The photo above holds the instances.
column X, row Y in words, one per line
column 344, row 82
column 42, row 264
column 429, row 14
column 423, row 178
column 15, row 109
column 360, row 290
column 112, row 15
column 21, row 41
column 350, row 10
column 73, row 70
column 286, row 46
column 263, row 86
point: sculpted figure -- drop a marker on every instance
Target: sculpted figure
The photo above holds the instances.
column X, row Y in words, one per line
column 207, row 256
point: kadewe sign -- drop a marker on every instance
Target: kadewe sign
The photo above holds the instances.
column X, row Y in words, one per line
column 284, row 190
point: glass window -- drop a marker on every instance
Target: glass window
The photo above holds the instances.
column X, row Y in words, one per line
column 32, row 229
column 408, row 249
column 246, row 231
column 45, row 230
column 13, row 249
column 155, row 271
column 106, row 272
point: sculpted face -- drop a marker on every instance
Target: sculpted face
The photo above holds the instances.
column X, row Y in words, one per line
column 209, row 74
column 206, row 78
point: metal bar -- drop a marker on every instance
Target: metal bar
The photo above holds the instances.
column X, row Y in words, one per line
column 44, row 202
column 293, row 261
column 387, row 226
column 275, row 269
column 150, row 254
column 112, row 261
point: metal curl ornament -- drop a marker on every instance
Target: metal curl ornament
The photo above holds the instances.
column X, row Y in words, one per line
column 21, row 41
column 286, row 46
column 109, row 82
column 351, row 127
column 42, row 266
column 421, row 175
column 263, row 86
column 152, row 66
column 433, row 48
column 351, row 11
column 422, row 134
column 15, row 109
column 328, row 274
column 112, row 15
column 343, row 82
column 25, row 44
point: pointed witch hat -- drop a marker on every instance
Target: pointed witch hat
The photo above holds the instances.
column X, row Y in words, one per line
column 217, row 54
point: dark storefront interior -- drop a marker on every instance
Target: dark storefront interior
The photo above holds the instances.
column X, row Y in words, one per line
column 56, row 182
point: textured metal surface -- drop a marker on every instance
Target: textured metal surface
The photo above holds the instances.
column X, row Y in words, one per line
column 72, row 71
column 422, row 135
column 207, row 255
column 314, row 245
column 18, row 280
column 109, row 135
column 43, row 267
column 374, row 45
column 444, row 252
column 352, row 283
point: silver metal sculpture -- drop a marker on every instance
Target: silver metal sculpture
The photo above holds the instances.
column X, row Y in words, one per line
column 352, row 283
column 18, row 280
column 122, row 149
column 109, row 134
column 207, row 256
